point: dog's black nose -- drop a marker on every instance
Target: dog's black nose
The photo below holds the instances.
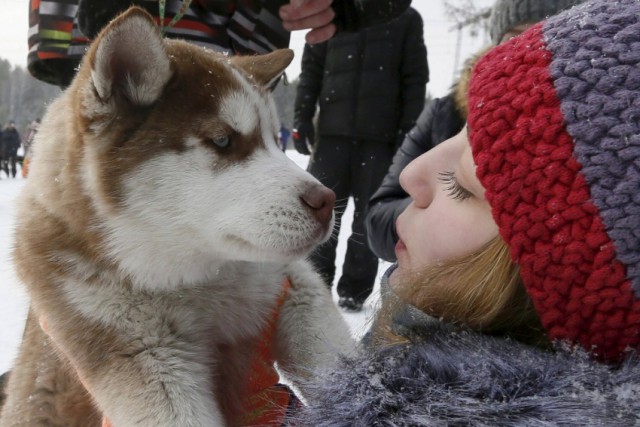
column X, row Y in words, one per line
column 320, row 201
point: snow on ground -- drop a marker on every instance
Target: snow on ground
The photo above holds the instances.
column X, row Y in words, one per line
column 13, row 298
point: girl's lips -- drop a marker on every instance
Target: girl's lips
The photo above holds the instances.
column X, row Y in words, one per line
column 400, row 244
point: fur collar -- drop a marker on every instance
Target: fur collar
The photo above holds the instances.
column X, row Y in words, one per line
column 466, row 378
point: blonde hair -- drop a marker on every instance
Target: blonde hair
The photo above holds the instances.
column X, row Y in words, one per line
column 482, row 291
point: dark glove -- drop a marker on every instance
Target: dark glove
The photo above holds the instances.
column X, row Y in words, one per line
column 355, row 16
column 303, row 137
column 399, row 141
column 93, row 15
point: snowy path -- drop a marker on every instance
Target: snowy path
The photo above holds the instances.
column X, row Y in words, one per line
column 13, row 299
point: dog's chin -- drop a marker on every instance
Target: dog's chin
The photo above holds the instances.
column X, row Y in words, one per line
column 242, row 249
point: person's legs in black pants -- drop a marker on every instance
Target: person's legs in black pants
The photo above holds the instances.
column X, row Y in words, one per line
column 330, row 165
column 3, row 382
column 12, row 161
column 369, row 164
column 4, row 165
column 4, row 158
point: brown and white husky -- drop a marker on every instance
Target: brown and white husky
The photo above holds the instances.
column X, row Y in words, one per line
column 155, row 232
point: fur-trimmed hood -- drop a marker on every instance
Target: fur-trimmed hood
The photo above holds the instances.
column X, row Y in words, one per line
column 470, row 379
column 461, row 86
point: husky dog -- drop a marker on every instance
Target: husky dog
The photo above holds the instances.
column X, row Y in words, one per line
column 160, row 233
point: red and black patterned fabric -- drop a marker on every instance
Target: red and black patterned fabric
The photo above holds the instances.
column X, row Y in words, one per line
column 60, row 31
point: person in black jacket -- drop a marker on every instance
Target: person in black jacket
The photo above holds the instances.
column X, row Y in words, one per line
column 10, row 144
column 370, row 89
column 441, row 119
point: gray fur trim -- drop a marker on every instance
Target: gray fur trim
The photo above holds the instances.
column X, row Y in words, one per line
column 468, row 379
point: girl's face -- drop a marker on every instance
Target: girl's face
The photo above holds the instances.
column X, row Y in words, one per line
column 449, row 216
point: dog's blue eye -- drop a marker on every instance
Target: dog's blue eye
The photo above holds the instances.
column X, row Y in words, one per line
column 222, row 141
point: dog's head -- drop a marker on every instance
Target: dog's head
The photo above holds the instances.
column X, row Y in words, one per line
column 179, row 155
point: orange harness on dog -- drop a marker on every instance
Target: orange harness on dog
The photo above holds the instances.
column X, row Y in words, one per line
column 267, row 402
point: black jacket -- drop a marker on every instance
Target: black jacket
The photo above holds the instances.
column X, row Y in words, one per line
column 369, row 85
column 10, row 141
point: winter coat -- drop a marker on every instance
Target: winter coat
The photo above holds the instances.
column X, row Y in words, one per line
column 60, row 32
column 10, row 142
column 368, row 85
column 441, row 119
column 448, row 376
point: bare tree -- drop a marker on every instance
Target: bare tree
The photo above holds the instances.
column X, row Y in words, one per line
column 22, row 97
column 466, row 16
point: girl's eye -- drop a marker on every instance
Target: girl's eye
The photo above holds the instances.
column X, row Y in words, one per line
column 452, row 187
column 221, row 141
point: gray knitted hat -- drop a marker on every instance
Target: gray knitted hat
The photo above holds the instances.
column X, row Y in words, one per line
column 507, row 14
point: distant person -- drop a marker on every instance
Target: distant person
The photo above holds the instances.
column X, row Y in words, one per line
column 27, row 146
column 368, row 88
column 283, row 137
column 60, row 30
column 10, row 144
column 441, row 119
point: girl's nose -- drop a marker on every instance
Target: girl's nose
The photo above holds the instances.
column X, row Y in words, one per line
column 418, row 179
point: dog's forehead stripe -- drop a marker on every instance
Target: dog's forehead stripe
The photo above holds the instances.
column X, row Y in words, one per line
column 238, row 111
column 257, row 111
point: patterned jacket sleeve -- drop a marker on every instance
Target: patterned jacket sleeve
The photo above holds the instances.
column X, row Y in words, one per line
column 248, row 27
column 60, row 30
column 56, row 45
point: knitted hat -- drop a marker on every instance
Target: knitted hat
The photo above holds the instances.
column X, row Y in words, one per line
column 506, row 14
column 554, row 121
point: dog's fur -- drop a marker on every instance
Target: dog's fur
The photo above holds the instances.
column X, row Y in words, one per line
column 156, row 252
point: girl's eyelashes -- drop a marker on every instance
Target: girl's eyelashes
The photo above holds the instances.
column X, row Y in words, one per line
column 452, row 186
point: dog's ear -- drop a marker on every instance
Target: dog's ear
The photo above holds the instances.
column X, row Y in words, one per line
column 130, row 59
column 265, row 69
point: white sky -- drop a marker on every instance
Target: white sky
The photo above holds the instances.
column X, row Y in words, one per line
column 440, row 41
